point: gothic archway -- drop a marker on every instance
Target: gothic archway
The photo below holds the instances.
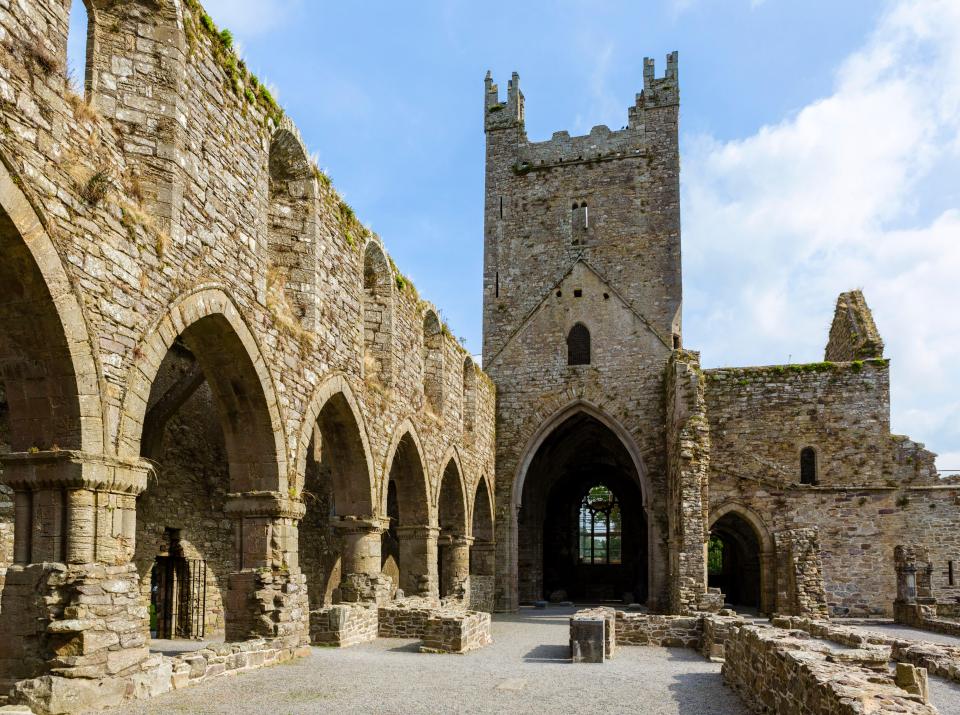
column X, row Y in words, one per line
column 740, row 558
column 577, row 455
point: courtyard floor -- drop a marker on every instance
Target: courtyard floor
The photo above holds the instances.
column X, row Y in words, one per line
column 526, row 670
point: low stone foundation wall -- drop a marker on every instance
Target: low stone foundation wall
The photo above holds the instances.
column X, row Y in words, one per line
column 442, row 629
column 344, row 625
column 927, row 617
column 400, row 620
column 456, row 632
column 938, row 659
column 658, row 630
column 158, row 674
column 774, row 671
column 716, row 630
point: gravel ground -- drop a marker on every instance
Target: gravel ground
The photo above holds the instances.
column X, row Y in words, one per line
column 525, row 671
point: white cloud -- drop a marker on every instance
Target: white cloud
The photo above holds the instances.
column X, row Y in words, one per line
column 857, row 189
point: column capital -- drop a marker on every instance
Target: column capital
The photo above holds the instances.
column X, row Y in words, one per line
column 360, row 524
column 422, row 531
column 74, row 469
column 455, row 540
column 264, row 504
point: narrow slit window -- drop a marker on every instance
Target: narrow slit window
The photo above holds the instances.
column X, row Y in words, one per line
column 808, row 465
column 79, row 41
column 578, row 345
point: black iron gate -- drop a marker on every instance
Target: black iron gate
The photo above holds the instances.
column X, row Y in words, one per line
column 180, row 597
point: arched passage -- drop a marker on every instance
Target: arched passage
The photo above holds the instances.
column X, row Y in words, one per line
column 409, row 547
column 577, row 455
column 482, row 556
column 212, row 431
column 740, row 558
column 453, row 562
column 338, row 495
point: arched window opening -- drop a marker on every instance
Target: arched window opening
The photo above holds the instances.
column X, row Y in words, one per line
column 79, row 44
column 469, row 394
column 600, row 527
column 377, row 316
column 433, row 362
column 291, row 240
column 578, row 345
column 808, row 465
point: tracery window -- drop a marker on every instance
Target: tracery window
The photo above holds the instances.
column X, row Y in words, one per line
column 600, row 527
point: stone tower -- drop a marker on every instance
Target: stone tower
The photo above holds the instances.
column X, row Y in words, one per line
column 582, row 304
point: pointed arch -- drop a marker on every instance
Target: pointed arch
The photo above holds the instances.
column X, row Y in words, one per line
column 291, row 235
column 451, row 502
column 508, row 530
column 210, row 324
column 432, row 361
column 47, row 359
column 378, row 287
column 405, row 465
column 333, row 411
column 482, row 510
column 726, row 517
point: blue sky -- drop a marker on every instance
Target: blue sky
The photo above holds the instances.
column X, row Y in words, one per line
column 819, row 149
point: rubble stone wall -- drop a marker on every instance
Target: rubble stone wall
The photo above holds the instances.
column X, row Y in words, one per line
column 774, row 672
column 455, row 632
column 887, row 486
column 659, row 630
column 344, row 625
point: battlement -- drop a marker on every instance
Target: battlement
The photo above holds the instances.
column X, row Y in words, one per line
column 602, row 142
column 500, row 115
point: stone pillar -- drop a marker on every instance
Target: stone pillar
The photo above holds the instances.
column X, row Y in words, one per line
column 800, row 578
column 688, row 464
column 361, row 580
column 267, row 597
column 483, row 555
column 456, row 566
column 71, row 602
column 418, row 560
column 914, row 599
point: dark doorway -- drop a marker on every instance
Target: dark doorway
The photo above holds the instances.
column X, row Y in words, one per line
column 733, row 561
column 178, row 594
column 582, row 524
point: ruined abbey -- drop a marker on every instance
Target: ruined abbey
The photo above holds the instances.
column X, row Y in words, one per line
column 226, row 414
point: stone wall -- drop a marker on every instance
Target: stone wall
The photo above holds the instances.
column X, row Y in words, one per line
column 344, row 625
column 455, row 632
column 872, row 487
column 174, row 209
column 659, row 630
column 776, row 672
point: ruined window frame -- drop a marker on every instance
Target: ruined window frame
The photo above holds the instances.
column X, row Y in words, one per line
column 600, row 522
